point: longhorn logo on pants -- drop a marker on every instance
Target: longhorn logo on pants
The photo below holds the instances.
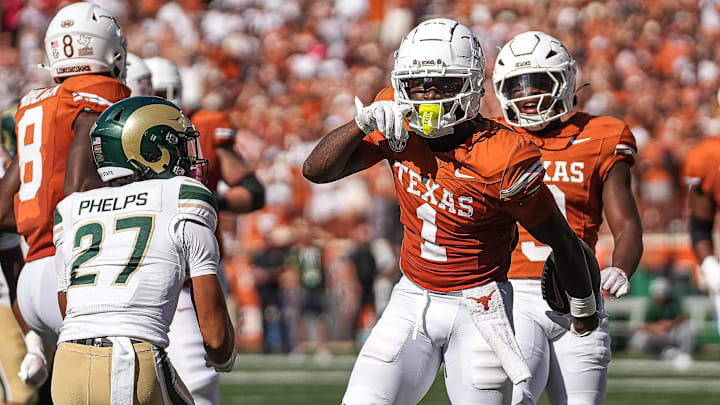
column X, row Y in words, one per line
column 484, row 300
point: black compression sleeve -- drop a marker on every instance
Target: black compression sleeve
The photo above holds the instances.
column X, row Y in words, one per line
column 256, row 189
column 700, row 229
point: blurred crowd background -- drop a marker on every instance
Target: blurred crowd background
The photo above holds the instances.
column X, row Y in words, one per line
column 317, row 264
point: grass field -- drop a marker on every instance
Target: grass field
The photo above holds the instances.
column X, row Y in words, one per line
column 281, row 380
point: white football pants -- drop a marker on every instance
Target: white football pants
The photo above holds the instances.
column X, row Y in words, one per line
column 187, row 353
column 395, row 368
column 572, row 369
column 38, row 299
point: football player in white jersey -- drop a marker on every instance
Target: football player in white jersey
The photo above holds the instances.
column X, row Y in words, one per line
column 125, row 251
column 245, row 194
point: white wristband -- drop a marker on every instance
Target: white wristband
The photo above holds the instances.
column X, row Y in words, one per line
column 582, row 307
column 34, row 343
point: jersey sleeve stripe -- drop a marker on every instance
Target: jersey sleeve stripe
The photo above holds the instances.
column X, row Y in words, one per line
column 523, row 181
column 200, row 206
column 91, row 98
column 188, row 192
column 622, row 149
column 57, row 218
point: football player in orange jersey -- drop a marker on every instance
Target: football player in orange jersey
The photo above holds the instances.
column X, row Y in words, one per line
column 587, row 161
column 703, row 179
column 12, row 388
column 245, row 194
column 85, row 50
column 462, row 182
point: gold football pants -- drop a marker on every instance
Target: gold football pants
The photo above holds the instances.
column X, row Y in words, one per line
column 81, row 376
column 12, row 351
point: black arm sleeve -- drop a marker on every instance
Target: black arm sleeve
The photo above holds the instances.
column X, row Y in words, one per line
column 700, row 229
column 256, row 189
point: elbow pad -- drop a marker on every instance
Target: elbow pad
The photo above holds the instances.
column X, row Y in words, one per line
column 257, row 191
column 700, row 229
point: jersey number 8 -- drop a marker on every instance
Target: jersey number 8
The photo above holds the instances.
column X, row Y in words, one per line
column 29, row 156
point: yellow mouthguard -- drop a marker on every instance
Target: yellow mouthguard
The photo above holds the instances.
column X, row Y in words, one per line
column 430, row 114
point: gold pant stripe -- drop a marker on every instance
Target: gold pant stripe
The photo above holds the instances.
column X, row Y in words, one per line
column 81, row 375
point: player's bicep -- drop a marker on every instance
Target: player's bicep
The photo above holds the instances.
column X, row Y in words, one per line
column 618, row 201
column 80, row 170
column 233, row 168
column 362, row 158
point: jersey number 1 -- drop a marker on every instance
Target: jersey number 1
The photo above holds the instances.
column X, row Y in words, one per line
column 429, row 249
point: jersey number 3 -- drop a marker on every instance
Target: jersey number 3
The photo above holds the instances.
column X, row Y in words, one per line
column 143, row 225
column 540, row 253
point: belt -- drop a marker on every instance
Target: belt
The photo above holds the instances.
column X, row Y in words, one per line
column 98, row 342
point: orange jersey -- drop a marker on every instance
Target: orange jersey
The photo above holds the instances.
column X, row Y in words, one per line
column 215, row 130
column 702, row 159
column 44, row 127
column 577, row 160
column 459, row 208
column 710, row 183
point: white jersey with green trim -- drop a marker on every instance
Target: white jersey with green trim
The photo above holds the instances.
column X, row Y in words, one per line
column 126, row 254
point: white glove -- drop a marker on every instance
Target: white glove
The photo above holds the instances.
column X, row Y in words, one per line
column 711, row 270
column 33, row 369
column 225, row 367
column 614, row 281
column 387, row 117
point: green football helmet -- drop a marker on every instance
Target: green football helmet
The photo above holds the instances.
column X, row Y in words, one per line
column 147, row 137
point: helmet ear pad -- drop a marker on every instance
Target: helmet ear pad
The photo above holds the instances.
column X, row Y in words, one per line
column 553, row 291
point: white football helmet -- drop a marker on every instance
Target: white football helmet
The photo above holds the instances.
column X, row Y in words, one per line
column 83, row 38
column 447, row 49
column 138, row 76
column 166, row 81
column 534, row 66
